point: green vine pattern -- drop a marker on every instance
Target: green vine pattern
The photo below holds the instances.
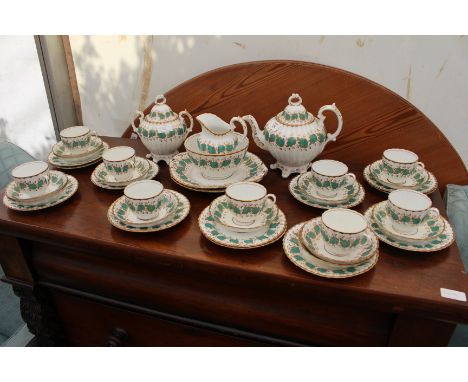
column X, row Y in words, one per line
column 151, row 132
column 292, row 142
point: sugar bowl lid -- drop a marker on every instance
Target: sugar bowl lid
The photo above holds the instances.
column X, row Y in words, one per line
column 161, row 112
column 295, row 113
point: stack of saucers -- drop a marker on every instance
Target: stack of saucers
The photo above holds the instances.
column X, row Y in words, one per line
column 35, row 187
column 407, row 221
column 245, row 217
column 147, row 207
column 327, row 185
column 339, row 244
column 79, row 147
column 121, row 167
column 399, row 169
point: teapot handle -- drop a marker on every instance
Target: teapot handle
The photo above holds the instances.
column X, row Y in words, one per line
column 321, row 117
column 140, row 116
column 187, row 114
column 242, row 122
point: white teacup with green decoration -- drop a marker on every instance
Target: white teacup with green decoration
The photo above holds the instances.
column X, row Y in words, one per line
column 407, row 210
column 120, row 162
column 32, row 177
column 247, row 200
column 77, row 138
column 344, row 231
column 143, row 197
column 328, row 176
column 400, row 164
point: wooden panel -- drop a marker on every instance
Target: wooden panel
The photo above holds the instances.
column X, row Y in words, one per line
column 89, row 323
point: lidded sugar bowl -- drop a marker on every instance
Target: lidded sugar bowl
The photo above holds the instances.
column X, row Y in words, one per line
column 294, row 136
column 162, row 131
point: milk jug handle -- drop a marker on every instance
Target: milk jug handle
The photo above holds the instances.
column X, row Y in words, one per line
column 321, row 117
column 242, row 122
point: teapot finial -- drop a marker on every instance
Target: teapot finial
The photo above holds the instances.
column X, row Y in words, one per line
column 295, row 99
column 160, row 99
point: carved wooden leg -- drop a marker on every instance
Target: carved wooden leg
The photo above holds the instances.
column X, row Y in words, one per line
column 40, row 315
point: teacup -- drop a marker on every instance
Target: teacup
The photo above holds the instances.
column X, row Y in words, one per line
column 119, row 162
column 143, row 198
column 32, row 177
column 77, row 138
column 247, row 200
column 329, row 176
column 407, row 209
column 399, row 164
column 344, row 231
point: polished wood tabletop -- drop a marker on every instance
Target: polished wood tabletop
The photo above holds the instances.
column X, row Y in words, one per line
column 374, row 119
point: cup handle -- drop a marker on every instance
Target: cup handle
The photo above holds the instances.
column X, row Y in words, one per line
column 272, row 197
column 94, row 133
column 420, row 164
column 369, row 238
column 351, row 177
column 434, row 211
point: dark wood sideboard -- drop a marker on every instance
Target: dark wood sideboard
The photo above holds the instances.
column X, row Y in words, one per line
column 83, row 282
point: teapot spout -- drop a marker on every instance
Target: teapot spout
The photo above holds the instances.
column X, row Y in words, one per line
column 257, row 134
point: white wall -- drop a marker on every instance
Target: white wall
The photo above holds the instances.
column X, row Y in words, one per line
column 429, row 71
column 24, row 111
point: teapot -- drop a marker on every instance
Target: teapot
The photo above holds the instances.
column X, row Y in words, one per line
column 217, row 136
column 162, row 131
column 294, row 136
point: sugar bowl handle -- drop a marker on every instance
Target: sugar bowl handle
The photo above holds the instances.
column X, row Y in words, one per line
column 140, row 117
column 189, row 117
column 321, row 117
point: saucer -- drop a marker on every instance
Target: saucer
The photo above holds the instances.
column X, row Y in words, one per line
column 62, row 151
column 180, row 213
column 166, row 206
column 412, row 181
column 225, row 237
column 70, row 164
column 64, row 194
column 142, row 166
column 305, row 260
column 220, row 210
column 426, row 187
column 443, row 240
column 343, row 194
column 300, row 195
column 57, row 181
column 184, row 172
column 310, row 237
column 150, row 174
column 429, row 228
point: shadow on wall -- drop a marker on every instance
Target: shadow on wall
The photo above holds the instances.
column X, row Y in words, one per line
column 114, row 76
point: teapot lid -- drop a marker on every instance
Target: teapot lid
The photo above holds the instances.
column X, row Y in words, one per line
column 295, row 113
column 161, row 112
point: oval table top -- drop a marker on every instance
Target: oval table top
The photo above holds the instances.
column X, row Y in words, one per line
column 375, row 118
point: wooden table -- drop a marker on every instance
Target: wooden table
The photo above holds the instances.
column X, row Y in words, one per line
column 83, row 282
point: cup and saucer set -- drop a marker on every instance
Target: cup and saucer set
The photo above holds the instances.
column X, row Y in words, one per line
column 79, row 147
column 120, row 167
column 339, row 244
column 328, row 184
column 35, row 187
column 399, row 168
column 245, row 217
column 407, row 220
column 216, row 157
column 147, row 207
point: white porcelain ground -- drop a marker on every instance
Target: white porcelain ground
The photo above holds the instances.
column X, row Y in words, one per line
column 225, row 216
column 62, row 151
column 410, row 181
column 142, row 166
column 72, row 163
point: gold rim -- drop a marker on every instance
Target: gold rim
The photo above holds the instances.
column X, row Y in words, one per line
column 308, row 270
column 346, row 233
column 414, row 191
column 76, row 136
column 247, row 201
column 212, row 132
column 394, row 161
column 30, row 176
column 211, row 190
column 246, row 140
column 280, row 235
column 178, row 194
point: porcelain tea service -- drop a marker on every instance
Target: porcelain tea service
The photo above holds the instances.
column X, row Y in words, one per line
column 327, row 185
column 79, row 147
column 400, row 168
column 339, row 244
column 162, row 131
column 147, row 206
column 120, row 162
column 294, row 137
column 35, row 187
column 245, row 217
